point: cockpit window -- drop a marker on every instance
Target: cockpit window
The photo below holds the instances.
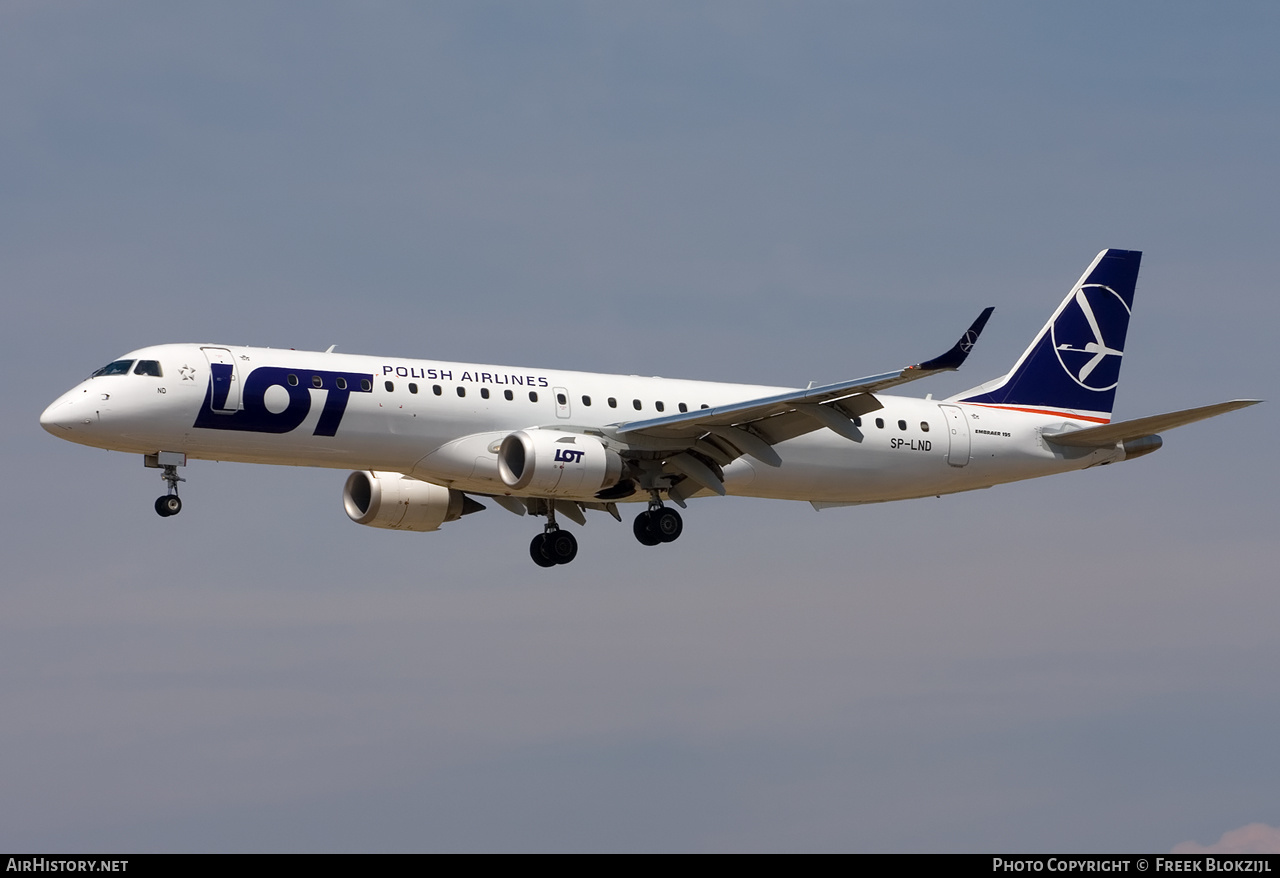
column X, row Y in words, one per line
column 148, row 367
column 119, row 367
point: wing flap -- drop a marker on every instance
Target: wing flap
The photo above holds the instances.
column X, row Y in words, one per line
column 748, row 442
column 1122, row 431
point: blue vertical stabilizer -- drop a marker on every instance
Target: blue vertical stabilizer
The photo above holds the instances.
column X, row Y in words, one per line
column 1073, row 365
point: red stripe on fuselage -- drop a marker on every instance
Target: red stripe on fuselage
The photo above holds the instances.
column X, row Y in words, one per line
column 1014, row 408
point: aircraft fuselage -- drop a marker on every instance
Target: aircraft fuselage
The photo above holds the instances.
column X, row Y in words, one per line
column 427, row 437
column 442, row 422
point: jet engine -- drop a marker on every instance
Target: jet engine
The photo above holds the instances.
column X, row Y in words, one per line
column 556, row 464
column 393, row 501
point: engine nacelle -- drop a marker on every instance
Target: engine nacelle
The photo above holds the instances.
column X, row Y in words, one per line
column 557, row 464
column 390, row 500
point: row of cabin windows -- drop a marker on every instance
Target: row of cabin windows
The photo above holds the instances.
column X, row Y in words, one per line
column 561, row 399
column 151, row 367
column 339, row 382
column 902, row 425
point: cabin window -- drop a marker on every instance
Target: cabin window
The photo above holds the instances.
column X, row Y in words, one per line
column 902, row 425
column 390, row 387
column 857, row 421
column 586, row 400
column 148, row 367
column 119, row 367
column 435, row 388
column 683, row 407
column 317, row 381
column 636, row 404
column 561, row 399
column 413, row 388
column 508, row 394
column 659, row 406
column 341, row 384
column 366, row 385
column 484, row 393
column 880, row 423
column 293, row 380
column 705, row 406
column 613, row 403
column 533, row 396
column 924, row 426
column 462, row 391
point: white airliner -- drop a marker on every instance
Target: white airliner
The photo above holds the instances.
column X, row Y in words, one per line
column 428, row 437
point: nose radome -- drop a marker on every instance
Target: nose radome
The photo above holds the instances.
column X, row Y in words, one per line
column 60, row 416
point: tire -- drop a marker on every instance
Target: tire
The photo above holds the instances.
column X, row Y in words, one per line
column 644, row 531
column 168, row 505
column 538, row 552
column 667, row 525
column 561, row 546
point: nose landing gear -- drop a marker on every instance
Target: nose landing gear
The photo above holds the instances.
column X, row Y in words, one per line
column 169, row 504
column 167, row 462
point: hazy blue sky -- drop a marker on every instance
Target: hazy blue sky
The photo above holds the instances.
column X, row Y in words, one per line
column 772, row 193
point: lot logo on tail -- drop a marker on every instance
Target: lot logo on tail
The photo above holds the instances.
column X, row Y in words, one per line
column 1073, row 365
column 1080, row 342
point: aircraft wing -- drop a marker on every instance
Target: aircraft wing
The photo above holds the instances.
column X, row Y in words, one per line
column 753, row 426
column 1110, row 434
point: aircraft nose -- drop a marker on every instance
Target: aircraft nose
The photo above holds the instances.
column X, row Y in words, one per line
column 60, row 417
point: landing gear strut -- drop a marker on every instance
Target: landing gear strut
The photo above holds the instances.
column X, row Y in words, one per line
column 167, row 462
column 553, row 546
column 170, row 503
column 658, row 524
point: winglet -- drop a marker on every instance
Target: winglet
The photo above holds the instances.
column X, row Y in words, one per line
column 952, row 359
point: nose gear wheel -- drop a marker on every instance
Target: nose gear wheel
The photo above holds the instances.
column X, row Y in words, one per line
column 169, row 504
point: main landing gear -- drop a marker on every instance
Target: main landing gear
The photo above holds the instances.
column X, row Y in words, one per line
column 553, row 546
column 658, row 524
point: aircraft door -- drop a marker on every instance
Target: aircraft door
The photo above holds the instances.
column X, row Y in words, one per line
column 958, row 435
column 226, row 382
column 562, row 402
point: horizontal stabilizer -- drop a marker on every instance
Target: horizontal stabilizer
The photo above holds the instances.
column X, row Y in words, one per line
column 1110, row 434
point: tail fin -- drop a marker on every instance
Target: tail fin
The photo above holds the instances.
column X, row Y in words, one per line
column 1073, row 365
